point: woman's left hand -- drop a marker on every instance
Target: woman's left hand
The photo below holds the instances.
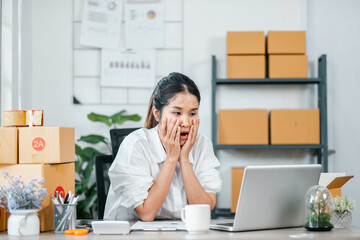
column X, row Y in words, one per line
column 185, row 149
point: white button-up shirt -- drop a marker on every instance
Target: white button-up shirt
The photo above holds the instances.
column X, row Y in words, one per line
column 137, row 165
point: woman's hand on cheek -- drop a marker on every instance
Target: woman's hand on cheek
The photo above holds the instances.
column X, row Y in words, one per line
column 169, row 133
column 186, row 148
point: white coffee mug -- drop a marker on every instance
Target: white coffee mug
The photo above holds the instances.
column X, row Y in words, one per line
column 196, row 218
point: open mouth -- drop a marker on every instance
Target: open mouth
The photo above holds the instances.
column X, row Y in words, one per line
column 184, row 135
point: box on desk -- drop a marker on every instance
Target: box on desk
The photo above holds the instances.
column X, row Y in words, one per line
column 46, row 145
column 295, row 126
column 334, row 182
column 8, row 145
column 3, row 219
column 245, row 43
column 286, row 42
column 246, row 66
column 236, row 181
column 243, row 127
column 288, row 66
column 58, row 177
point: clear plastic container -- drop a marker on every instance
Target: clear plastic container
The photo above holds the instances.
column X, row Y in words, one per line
column 64, row 217
column 317, row 209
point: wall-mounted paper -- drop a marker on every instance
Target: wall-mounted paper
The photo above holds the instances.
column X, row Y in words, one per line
column 101, row 25
column 128, row 68
column 144, row 24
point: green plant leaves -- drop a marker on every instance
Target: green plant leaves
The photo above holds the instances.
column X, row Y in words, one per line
column 99, row 118
column 93, row 139
column 125, row 118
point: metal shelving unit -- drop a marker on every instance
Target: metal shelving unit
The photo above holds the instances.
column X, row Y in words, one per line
column 321, row 149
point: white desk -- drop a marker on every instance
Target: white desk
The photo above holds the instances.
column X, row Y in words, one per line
column 288, row 233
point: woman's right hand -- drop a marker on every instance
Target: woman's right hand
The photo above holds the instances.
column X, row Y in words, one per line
column 169, row 133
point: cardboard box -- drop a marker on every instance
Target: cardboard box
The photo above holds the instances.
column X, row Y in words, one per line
column 286, row 42
column 334, row 182
column 236, row 181
column 46, row 145
column 58, row 177
column 243, row 127
column 245, row 43
column 246, row 66
column 288, row 66
column 301, row 126
column 3, row 219
column 8, row 145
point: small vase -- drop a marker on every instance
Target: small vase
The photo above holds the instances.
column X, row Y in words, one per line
column 24, row 223
column 341, row 220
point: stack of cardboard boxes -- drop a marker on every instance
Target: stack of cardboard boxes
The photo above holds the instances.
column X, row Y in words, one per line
column 39, row 152
column 246, row 55
column 286, row 50
column 286, row 59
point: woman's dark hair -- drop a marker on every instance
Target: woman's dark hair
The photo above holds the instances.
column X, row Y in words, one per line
column 165, row 90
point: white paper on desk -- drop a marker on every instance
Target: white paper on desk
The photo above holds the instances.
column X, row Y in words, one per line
column 327, row 178
column 128, row 68
column 101, row 25
column 144, row 24
column 159, row 226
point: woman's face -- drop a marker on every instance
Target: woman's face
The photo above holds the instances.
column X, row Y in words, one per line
column 183, row 107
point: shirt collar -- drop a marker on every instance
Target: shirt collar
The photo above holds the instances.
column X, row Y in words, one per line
column 158, row 148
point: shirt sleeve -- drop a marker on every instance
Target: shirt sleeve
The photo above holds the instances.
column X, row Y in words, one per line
column 129, row 174
column 205, row 166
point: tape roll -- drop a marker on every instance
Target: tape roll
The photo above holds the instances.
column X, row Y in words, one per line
column 15, row 118
column 34, row 118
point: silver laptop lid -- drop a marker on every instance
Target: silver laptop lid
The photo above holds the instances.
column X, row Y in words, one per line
column 273, row 196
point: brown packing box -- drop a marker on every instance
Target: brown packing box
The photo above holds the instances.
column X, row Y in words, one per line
column 60, row 177
column 246, row 66
column 8, row 145
column 334, row 182
column 245, row 43
column 243, row 127
column 3, row 219
column 286, row 42
column 300, row 126
column 46, row 145
column 288, row 66
column 236, row 181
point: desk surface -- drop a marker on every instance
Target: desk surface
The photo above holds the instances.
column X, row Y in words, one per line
column 288, row 233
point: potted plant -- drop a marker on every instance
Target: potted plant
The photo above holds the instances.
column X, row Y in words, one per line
column 23, row 202
column 317, row 209
column 341, row 208
column 84, row 164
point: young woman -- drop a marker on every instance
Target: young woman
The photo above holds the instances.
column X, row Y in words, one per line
column 166, row 165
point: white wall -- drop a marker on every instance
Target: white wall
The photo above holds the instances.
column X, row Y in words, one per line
column 334, row 29
column 205, row 25
column 47, row 71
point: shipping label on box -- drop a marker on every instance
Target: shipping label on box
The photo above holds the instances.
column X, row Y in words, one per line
column 58, row 177
column 295, row 126
column 8, row 145
column 246, row 66
column 334, row 182
column 46, row 145
column 288, row 66
column 243, row 127
column 286, row 42
column 245, row 43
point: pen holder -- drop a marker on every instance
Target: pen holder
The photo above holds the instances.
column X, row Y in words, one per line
column 64, row 217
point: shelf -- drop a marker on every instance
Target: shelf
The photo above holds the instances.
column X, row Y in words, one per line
column 269, row 81
column 219, row 146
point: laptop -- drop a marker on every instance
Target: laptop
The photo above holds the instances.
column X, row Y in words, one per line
column 272, row 197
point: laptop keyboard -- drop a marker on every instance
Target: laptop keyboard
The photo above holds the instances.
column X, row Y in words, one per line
column 226, row 224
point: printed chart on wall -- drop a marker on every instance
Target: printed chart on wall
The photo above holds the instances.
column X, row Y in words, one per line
column 128, row 68
column 144, row 24
column 101, row 23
